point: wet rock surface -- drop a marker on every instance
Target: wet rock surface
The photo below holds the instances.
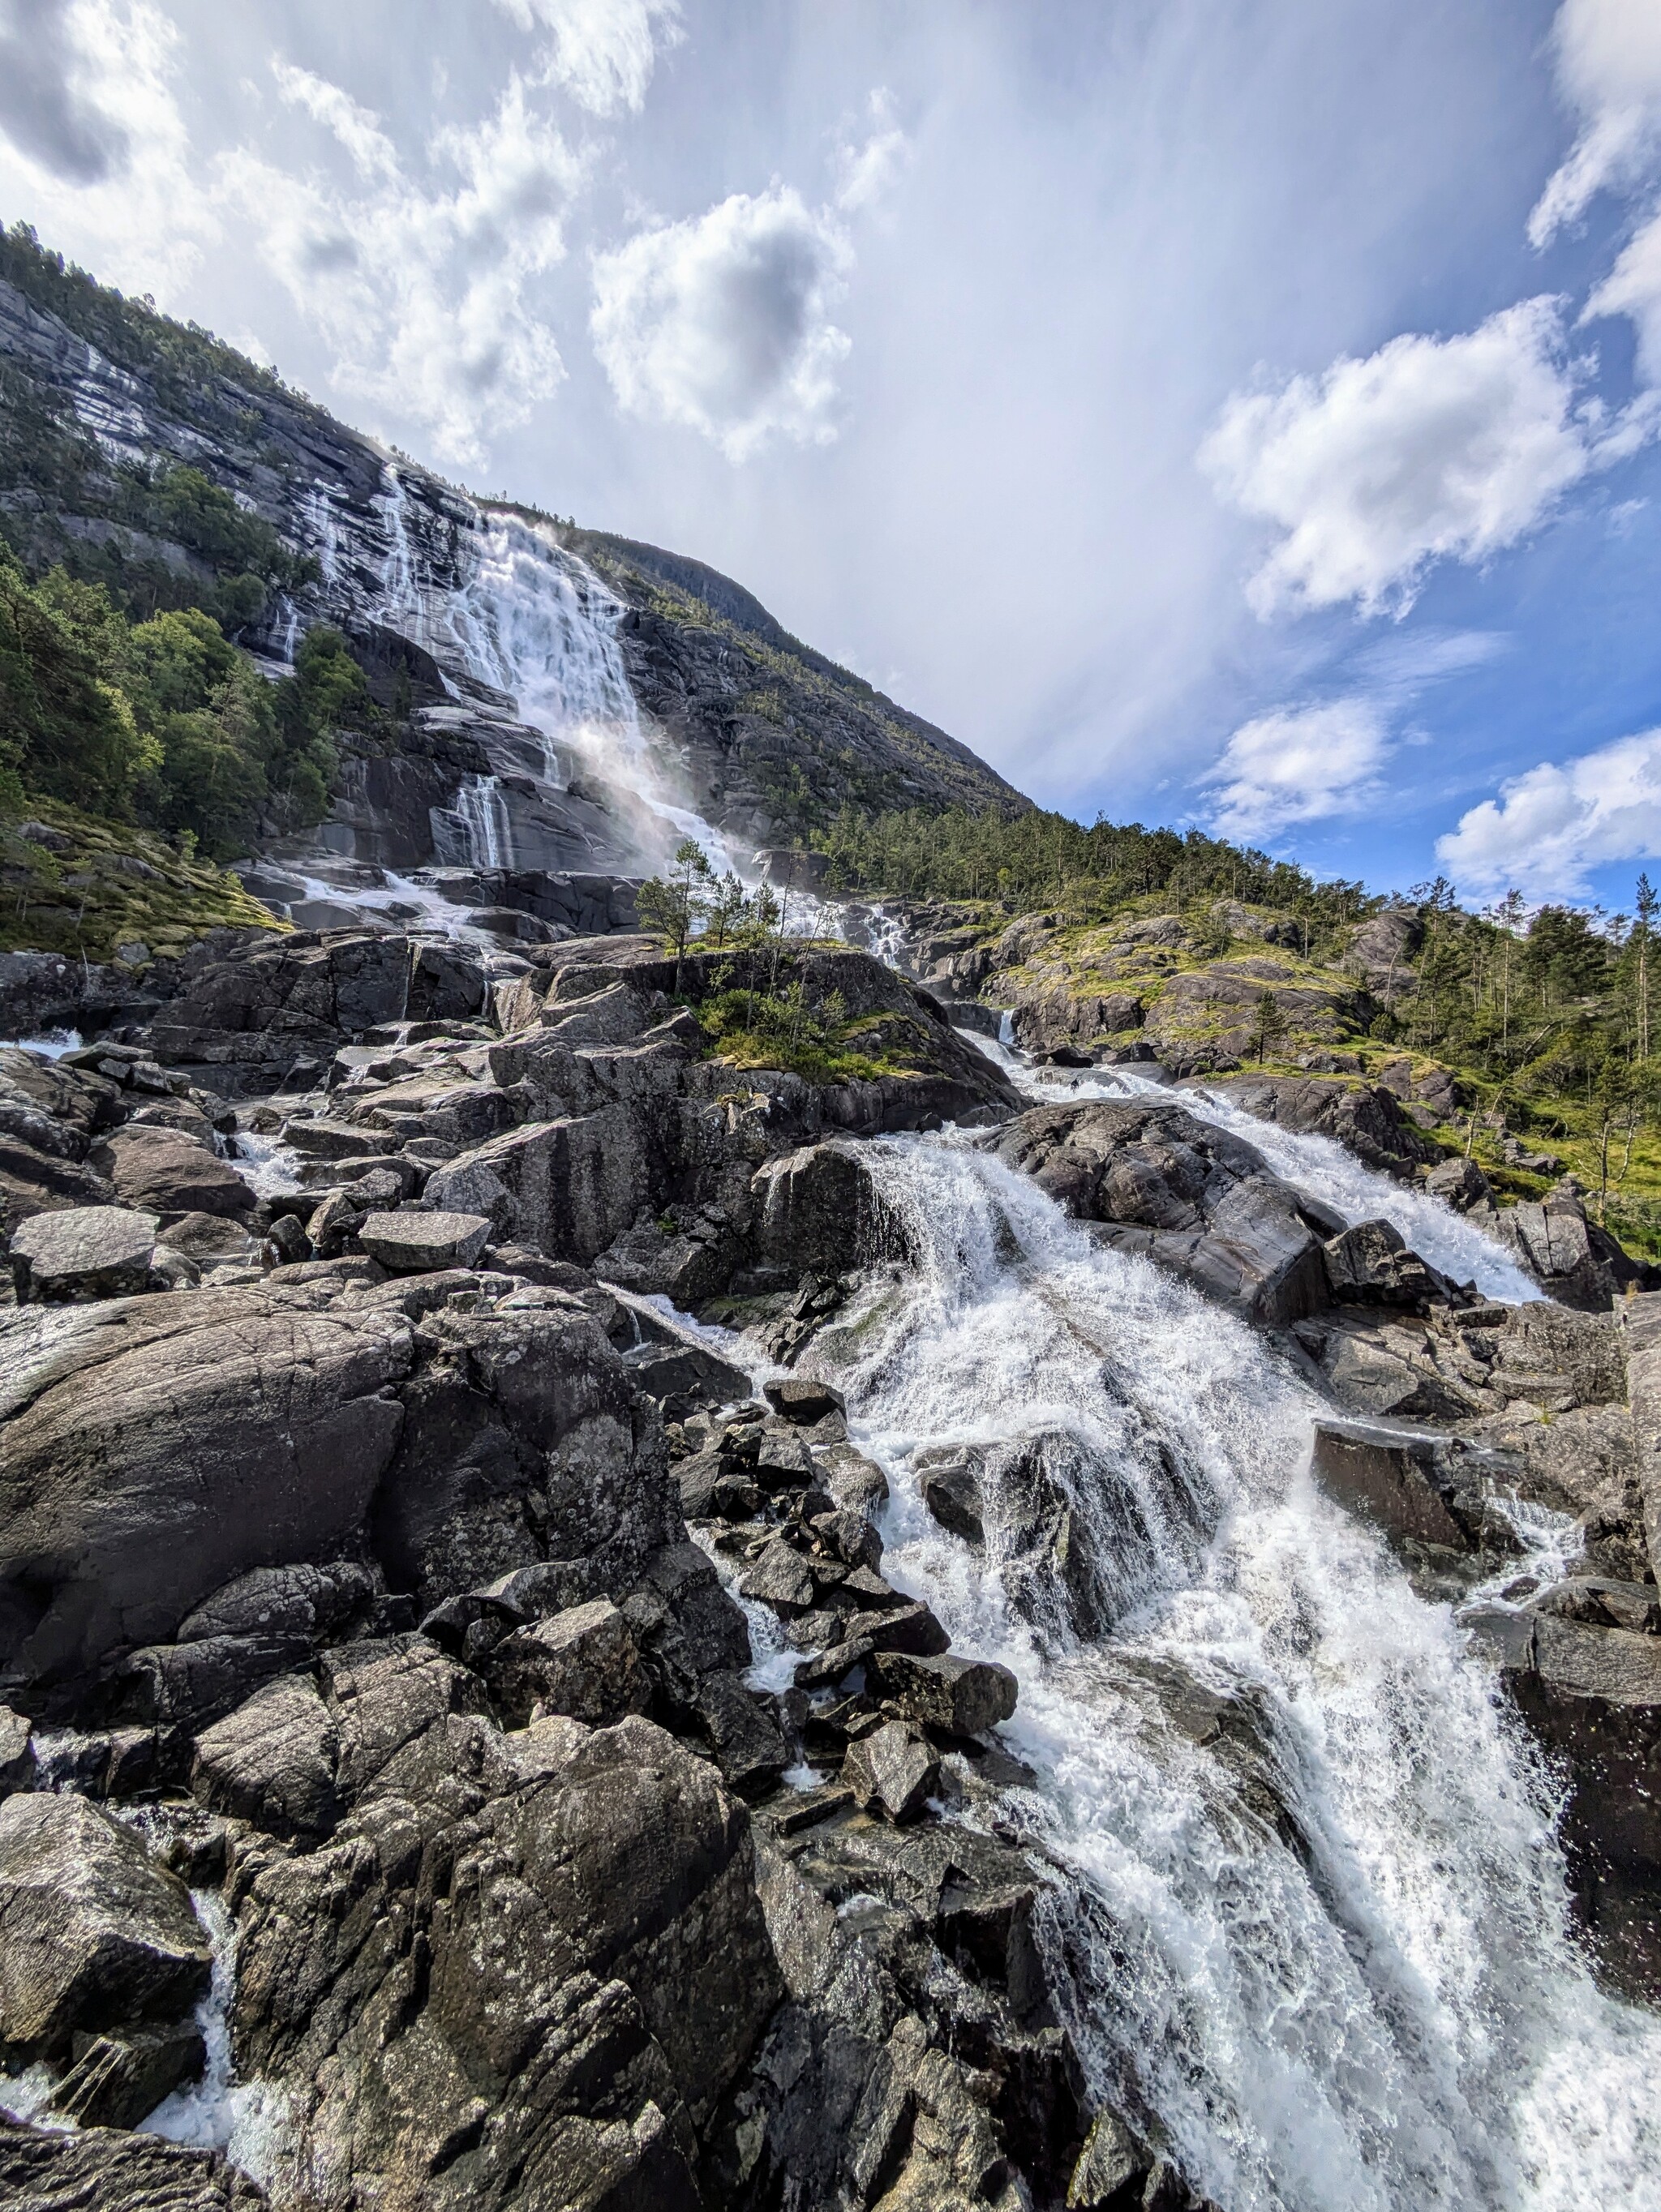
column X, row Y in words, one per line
column 418, row 1575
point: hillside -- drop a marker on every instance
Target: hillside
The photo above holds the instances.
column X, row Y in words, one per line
column 140, row 455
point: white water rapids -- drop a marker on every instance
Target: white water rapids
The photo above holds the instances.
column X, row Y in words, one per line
column 1324, row 1949
column 1318, row 1165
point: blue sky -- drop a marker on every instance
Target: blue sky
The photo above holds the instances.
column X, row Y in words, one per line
column 1233, row 411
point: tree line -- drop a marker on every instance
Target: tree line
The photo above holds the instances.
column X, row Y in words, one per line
column 1039, row 859
column 163, row 722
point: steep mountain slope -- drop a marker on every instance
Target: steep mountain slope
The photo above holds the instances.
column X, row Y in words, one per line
column 512, row 656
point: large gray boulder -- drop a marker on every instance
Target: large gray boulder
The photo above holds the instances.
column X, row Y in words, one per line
column 83, row 1253
column 1186, row 1195
column 421, row 1243
column 151, row 1449
column 170, row 1173
column 1366, row 1119
column 93, row 1931
column 528, row 1970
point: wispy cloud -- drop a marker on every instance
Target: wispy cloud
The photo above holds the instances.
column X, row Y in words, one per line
column 1300, row 764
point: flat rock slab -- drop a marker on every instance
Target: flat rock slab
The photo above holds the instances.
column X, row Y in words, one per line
column 416, row 1244
column 85, row 1252
column 172, row 1172
column 93, row 1931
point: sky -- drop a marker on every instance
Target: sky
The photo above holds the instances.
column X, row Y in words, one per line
column 1239, row 413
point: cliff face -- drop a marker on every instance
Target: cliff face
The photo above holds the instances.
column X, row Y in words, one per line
column 560, row 698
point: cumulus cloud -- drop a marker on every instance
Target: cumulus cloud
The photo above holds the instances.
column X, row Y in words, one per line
column 601, row 51
column 91, row 141
column 1608, row 55
column 723, row 323
column 1549, row 828
column 1300, row 764
column 424, row 294
column 1430, row 448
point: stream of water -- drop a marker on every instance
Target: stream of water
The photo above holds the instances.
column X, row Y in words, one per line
column 1322, row 1942
column 1315, row 1164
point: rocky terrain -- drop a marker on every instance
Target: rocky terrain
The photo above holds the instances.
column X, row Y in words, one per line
column 386, row 1746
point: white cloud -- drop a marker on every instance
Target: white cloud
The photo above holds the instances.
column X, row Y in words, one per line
column 1633, row 288
column 1430, row 448
column 91, row 141
column 1300, row 764
column 426, row 295
column 602, row 52
column 866, row 169
column 1609, row 67
column 358, row 131
column 723, row 323
column 1550, row 827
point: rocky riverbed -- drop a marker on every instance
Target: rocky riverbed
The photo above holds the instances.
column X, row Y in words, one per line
column 492, row 1713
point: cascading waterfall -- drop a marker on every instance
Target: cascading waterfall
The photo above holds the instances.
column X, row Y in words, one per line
column 1310, row 1922
column 530, row 619
column 483, row 813
column 1318, row 1165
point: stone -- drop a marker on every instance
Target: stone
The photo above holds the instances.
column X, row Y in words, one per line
column 1109, row 2164
column 582, row 1662
column 963, row 1697
column 93, row 1931
column 1460, row 1184
column 272, row 1761
column 116, row 2081
column 319, row 1138
column 84, row 1252
column 950, row 1484
column 780, row 1577
column 1418, row 1486
column 16, row 1764
column 893, row 1769
column 1186, row 1195
column 153, row 1448
column 420, row 1243
column 802, row 1400
column 48, row 2170
column 1369, row 1264
column 168, row 1172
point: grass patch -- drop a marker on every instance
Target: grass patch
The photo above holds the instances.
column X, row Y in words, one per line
column 759, row 1029
column 110, row 886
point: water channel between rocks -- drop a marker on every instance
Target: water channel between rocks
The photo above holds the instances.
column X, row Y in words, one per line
column 1310, row 1921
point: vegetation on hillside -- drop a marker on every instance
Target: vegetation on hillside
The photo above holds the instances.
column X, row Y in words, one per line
column 754, row 1012
column 162, row 723
column 1038, row 859
column 96, row 891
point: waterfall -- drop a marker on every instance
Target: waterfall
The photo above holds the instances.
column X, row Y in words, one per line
column 1312, row 1926
column 483, row 812
column 1318, row 1164
column 529, row 619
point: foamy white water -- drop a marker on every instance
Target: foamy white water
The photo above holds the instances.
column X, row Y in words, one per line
column 1327, row 1951
column 1318, row 1165
column 531, row 619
